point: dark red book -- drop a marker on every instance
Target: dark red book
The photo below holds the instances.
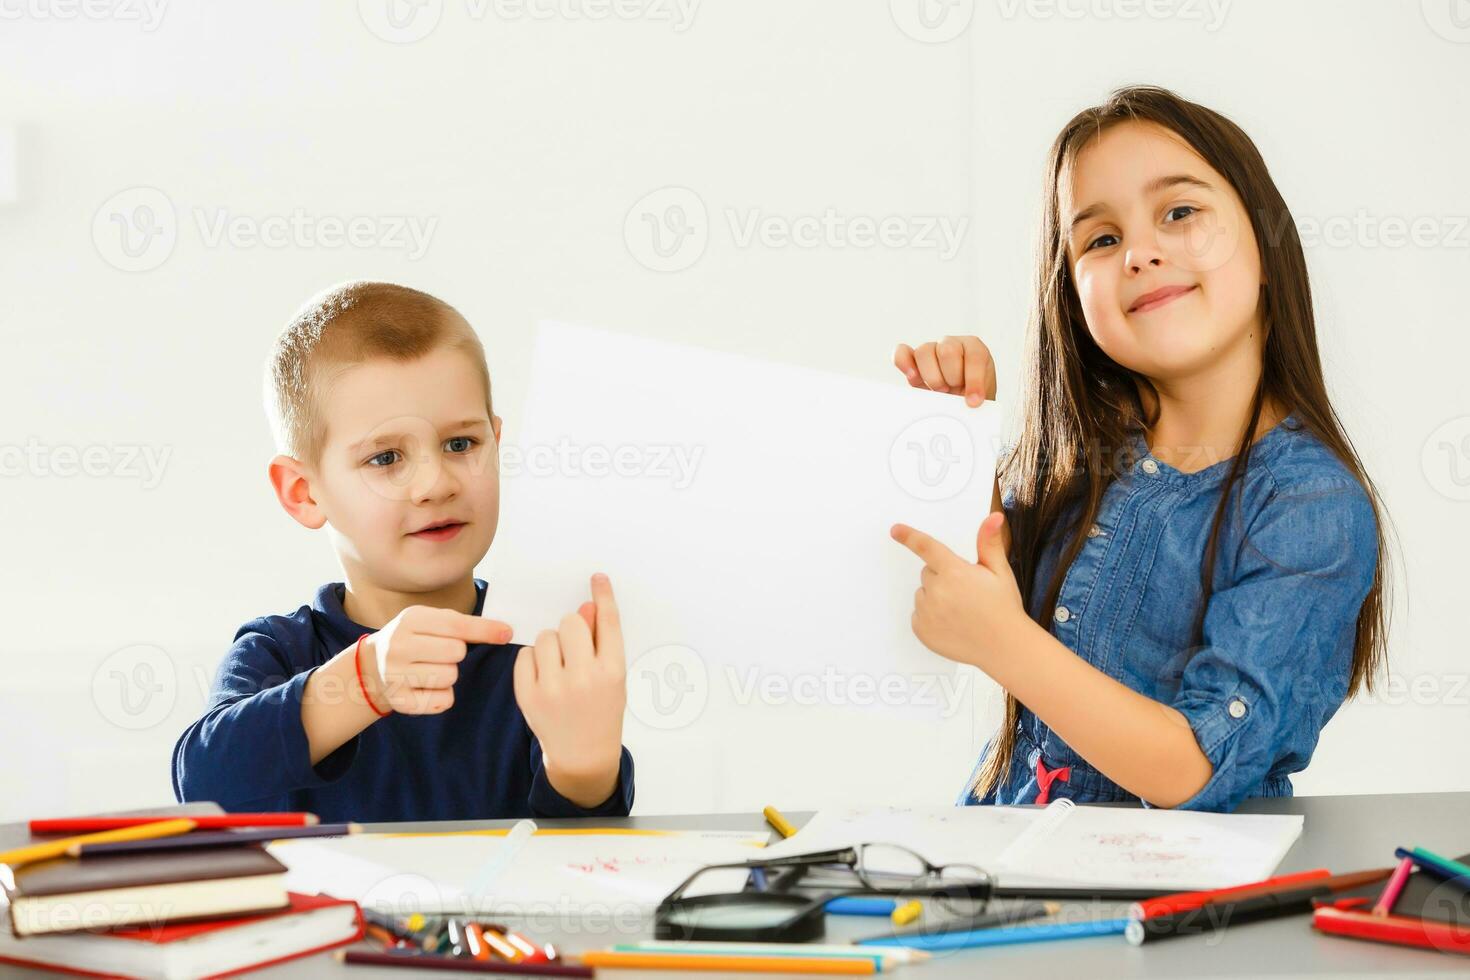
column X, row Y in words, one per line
column 186, row 951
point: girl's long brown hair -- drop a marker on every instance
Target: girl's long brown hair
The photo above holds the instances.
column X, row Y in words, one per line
column 1079, row 405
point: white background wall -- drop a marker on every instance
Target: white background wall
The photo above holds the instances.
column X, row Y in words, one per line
column 521, row 143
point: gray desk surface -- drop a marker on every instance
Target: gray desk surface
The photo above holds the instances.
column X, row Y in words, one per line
column 1344, row 833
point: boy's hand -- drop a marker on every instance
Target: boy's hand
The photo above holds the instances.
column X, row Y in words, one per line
column 958, row 365
column 571, row 688
column 411, row 664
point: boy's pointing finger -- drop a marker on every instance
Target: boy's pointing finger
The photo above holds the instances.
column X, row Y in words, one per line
column 471, row 629
column 609, row 622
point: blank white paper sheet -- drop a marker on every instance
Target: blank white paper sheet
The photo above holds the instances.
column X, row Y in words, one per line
column 742, row 510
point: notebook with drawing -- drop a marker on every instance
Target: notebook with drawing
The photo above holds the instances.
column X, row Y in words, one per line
column 1066, row 845
column 521, row 871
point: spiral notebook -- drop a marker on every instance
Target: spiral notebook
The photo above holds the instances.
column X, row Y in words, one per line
column 1065, row 845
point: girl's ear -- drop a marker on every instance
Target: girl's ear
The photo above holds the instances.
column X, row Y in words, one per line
column 495, row 426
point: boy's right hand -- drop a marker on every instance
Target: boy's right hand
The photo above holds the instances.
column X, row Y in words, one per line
column 957, row 365
column 411, row 664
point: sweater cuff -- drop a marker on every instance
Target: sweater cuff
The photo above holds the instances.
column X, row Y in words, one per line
column 547, row 802
column 295, row 747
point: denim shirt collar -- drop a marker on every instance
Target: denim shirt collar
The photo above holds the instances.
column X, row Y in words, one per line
column 1148, row 467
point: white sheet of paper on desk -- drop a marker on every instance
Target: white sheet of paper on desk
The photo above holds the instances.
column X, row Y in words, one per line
column 584, row 872
column 742, row 510
column 1117, row 847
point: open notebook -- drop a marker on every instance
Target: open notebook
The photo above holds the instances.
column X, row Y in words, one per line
column 523, row 871
column 1066, row 845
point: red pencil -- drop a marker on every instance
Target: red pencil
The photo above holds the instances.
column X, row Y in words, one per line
column 1393, row 929
column 209, row 821
column 1184, row 901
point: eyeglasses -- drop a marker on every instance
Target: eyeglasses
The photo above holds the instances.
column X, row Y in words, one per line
column 756, row 901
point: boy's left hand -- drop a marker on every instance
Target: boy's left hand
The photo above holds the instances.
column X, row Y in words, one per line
column 571, row 688
column 962, row 609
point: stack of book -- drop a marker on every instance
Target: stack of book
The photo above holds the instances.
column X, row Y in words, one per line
column 183, row 893
column 1426, row 903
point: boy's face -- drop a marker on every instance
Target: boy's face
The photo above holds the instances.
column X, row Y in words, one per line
column 409, row 446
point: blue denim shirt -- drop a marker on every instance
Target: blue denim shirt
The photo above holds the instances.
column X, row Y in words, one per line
column 1294, row 562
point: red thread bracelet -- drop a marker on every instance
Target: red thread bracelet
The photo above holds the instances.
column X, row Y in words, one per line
column 357, row 662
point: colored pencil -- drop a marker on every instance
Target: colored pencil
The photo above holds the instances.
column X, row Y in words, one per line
column 432, row 961
column 861, row 905
column 780, row 823
column 203, row 821
column 1008, row 935
column 59, row 848
column 213, row 838
column 716, row 962
column 1272, row 905
column 1398, row 929
column 1395, row 885
column 1184, row 901
column 972, row 923
column 907, row 913
column 886, row 957
column 1440, row 867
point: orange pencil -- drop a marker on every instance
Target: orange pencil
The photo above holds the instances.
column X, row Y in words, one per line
column 474, row 940
column 495, row 939
column 58, row 848
column 753, row 964
column 382, row 936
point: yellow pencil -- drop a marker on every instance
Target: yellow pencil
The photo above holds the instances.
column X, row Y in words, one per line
column 782, row 825
column 753, row 964
column 57, row 848
column 906, row 913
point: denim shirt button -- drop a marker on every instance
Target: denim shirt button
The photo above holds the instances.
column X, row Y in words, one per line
column 1094, row 531
column 1237, row 708
column 1149, row 467
column 1062, row 614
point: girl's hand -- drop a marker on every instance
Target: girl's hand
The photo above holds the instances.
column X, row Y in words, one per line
column 571, row 688
column 964, row 611
column 957, row 365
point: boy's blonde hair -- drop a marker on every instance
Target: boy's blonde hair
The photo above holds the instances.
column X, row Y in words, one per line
column 345, row 326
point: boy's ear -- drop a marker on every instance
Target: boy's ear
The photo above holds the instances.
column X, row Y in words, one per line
column 289, row 480
column 495, row 426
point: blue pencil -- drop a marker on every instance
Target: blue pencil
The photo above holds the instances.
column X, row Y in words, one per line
column 1440, row 867
column 1004, row 936
column 859, row 905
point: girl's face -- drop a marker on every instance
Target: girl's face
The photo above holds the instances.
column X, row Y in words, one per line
column 1162, row 252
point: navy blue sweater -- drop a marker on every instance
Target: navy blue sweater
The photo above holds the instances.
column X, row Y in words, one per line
column 478, row 760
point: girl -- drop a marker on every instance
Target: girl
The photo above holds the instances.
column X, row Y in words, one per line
column 1196, row 540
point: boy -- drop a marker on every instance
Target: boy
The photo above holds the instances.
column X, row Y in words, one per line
column 390, row 697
